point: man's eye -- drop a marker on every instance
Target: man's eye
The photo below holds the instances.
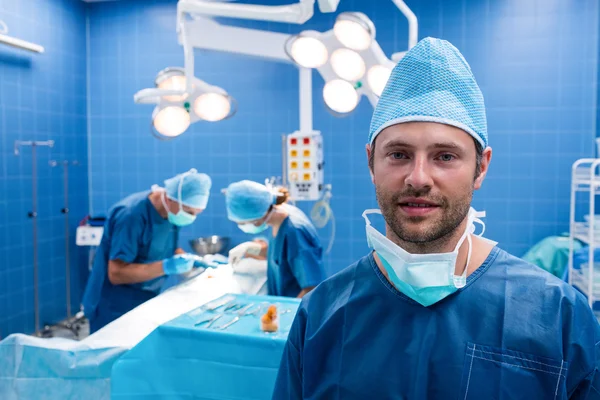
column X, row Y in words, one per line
column 446, row 157
column 398, row 156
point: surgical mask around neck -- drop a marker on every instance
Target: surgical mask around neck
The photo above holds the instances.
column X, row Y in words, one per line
column 425, row 278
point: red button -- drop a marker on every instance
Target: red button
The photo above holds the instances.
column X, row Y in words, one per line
column 306, row 140
column 294, row 141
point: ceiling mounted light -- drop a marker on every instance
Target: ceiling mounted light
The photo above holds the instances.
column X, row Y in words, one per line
column 308, row 51
column 175, row 112
column 377, row 78
column 171, row 78
column 354, row 30
column 212, row 106
column 171, row 121
column 340, row 96
column 348, row 64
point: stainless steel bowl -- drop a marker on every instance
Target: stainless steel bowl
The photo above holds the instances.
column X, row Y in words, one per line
column 210, row 245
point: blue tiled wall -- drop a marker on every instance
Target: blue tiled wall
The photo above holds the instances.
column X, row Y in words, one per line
column 42, row 96
column 535, row 61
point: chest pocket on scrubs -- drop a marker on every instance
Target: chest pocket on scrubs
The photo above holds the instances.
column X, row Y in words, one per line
column 492, row 373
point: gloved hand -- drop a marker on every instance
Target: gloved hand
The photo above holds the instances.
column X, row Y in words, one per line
column 178, row 264
column 240, row 251
column 203, row 262
column 198, row 261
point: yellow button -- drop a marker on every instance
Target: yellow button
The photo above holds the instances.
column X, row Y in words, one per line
column 294, row 153
column 294, row 165
column 307, row 177
column 306, row 164
column 306, row 153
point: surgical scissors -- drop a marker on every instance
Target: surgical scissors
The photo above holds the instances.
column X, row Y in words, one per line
column 210, row 320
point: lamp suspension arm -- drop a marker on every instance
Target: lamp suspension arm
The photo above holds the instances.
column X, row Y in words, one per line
column 413, row 25
column 297, row 13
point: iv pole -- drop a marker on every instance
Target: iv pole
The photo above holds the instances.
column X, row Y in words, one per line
column 33, row 215
column 65, row 211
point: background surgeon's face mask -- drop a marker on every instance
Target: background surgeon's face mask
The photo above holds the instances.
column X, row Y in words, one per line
column 182, row 218
column 425, row 278
column 250, row 228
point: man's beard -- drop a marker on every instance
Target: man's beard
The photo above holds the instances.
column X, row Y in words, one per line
column 452, row 215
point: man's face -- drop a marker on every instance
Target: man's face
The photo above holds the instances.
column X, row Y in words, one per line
column 424, row 177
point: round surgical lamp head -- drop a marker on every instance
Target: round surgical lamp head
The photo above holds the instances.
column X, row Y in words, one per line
column 354, row 30
column 306, row 50
column 170, row 121
column 377, row 78
column 171, row 78
column 340, row 96
column 347, row 64
column 214, row 106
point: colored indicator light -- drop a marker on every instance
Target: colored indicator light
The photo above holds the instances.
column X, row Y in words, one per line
column 294, row 165
column 306, row 165
column 307, row 177
column 306, row 140
column 306, row 153
column 293, row 141
column 294, row 153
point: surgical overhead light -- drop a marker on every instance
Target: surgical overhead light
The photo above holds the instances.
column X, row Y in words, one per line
column 171, row 79
column 340, row 96
column 377, row 78
column 347, row 64
column 212, row 106
column 171, row 121
column 350, row 61
column 354, row 30
column 177, row 106
column 308, row 51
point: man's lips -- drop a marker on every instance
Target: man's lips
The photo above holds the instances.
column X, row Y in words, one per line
column 417, row 207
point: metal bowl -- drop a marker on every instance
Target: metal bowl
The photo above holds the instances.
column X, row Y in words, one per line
column 210, row 245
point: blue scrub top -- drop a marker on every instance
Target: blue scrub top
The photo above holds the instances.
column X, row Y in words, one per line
column 134, row 233
column 513, row 332
column 295, row 256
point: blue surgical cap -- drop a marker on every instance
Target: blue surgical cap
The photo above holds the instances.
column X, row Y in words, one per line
column 432, row 83
column 195, row 188
column 248, row 201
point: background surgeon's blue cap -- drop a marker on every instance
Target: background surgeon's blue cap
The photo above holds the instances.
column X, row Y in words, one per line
column 432, row 83
column 248, row 201
column 195, row 188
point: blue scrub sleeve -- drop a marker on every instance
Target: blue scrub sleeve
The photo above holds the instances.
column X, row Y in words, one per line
column 587, row 353
column 289, row 378
column 305, row 261
column 124, row 243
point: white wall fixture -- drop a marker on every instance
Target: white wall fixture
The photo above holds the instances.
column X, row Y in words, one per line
column 18, row 43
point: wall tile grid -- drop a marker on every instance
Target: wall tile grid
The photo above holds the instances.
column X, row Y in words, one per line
column 42, row 97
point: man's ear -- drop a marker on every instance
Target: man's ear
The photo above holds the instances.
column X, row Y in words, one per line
column 370, row 158
column 486, row 158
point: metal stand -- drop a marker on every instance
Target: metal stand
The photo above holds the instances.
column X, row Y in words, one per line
column 71, row 323
column 33, row 215
column 65, row 211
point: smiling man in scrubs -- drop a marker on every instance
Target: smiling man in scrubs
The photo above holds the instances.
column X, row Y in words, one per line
column 139, row 246
column 435, row 312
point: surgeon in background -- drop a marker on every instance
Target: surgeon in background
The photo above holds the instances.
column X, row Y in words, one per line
column 294, row 254
column 139, row 246
column 435, row 311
